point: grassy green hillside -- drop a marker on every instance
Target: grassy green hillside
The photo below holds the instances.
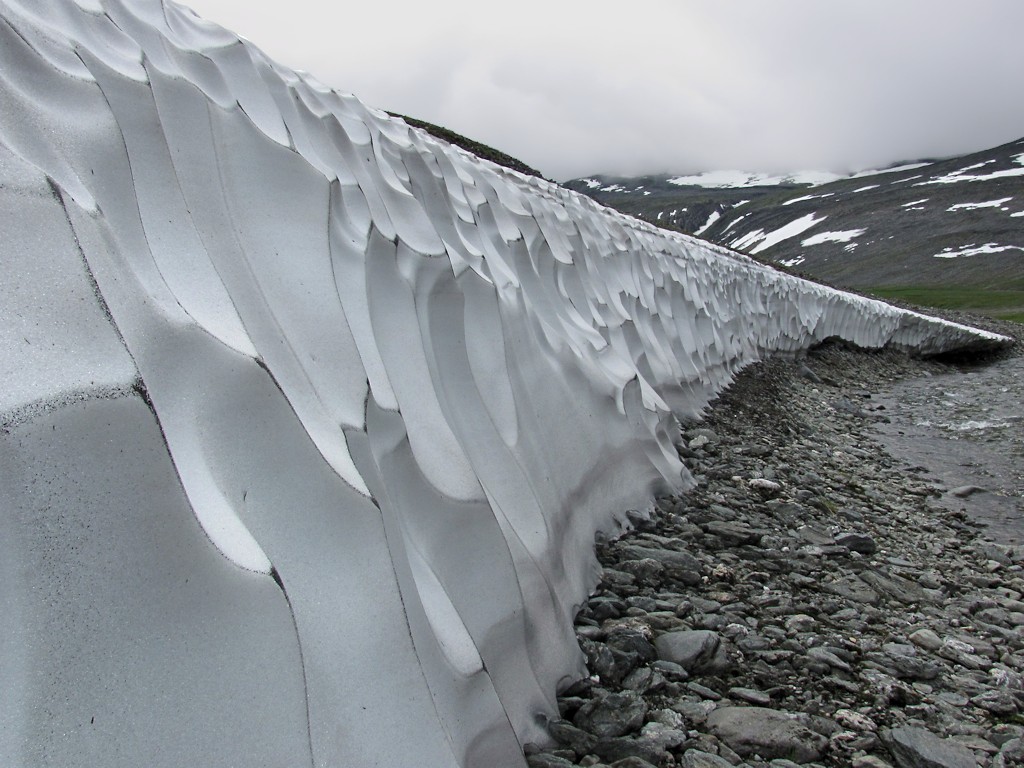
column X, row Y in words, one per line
column 1004, row 304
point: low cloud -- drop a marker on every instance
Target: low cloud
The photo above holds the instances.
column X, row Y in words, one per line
column 672, row 85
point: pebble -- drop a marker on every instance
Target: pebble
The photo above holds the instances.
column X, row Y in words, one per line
column 964, row 491
column 751, row 696
column 854, row 720
column 927, row 639
column 766, row 486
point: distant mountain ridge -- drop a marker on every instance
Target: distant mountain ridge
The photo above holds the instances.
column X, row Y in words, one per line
column 954, row 221
column 733, row 179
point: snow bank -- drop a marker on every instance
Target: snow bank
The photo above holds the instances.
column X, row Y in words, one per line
column 310, row 419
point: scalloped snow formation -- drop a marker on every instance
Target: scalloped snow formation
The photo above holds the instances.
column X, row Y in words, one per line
column 309, row 419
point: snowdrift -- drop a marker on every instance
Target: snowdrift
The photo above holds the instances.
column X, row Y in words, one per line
column 309, row 419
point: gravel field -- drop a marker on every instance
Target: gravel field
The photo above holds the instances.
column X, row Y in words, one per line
column 832, row 593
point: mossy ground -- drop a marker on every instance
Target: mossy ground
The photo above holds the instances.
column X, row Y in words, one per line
column 1001, row 303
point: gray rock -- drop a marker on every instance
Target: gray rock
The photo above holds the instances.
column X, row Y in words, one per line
column 827, row 657
column 857, row 542
column 639, row 680
column 631, row 641
column 918, row 748
column 612, row 750
column 962, row 653
column 926, row 639
column 568, row 734
column 709, row 434
column 930, row 580
column 698, row 442
column 697, row 651
column 899, row 649
column 751, row 696
column 544, row 760
column 631, row 762
column 997, row 616
column 814, row 535
column 896, row 587
column 800, row 622
column 703, row 691
column 1004, row 733
column 766, row 732
column 845, row 405
column 1012, row 752
column 734, row 533
column 646, row 570
column 601, row 661
column 614, row 715
column 852, row 588
column 910, row 668
column 663, row 736
column 855, row 721
column 869, row 761
column 999, row 703
column 694, row 758
column 669, row 557
column 967, row 490
column 671, row 670
column 806, row 373
column 705, row 606
column 763, row 486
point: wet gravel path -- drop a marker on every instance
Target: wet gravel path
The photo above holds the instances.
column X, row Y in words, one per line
column 967, row 429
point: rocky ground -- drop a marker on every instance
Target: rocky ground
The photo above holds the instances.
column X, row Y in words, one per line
column 810, row 602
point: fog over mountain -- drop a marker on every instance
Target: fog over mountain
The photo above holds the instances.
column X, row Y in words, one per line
column 671, row 85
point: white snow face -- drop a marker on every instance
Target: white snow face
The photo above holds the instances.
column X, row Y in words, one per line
column 309, row 419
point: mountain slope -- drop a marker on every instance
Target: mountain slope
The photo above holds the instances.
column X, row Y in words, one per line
column 955, row 221
column 477, row 148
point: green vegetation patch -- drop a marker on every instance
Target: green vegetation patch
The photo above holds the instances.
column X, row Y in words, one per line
column 1004, row 304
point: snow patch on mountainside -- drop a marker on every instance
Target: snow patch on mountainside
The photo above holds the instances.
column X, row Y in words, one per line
column 844, row 236
column 732, row 179
column 957, row 176
column 758, row 240
column 804, row 198
column 975, row 206
column 740, row 179
column 715, row 216
column 976, row 250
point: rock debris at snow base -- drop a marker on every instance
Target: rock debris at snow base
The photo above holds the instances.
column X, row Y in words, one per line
column 309, row 419
column 859, row 628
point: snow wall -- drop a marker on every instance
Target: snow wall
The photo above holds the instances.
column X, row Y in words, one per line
column 309, row 419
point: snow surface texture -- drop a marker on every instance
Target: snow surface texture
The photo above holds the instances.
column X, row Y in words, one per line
column 309, row 419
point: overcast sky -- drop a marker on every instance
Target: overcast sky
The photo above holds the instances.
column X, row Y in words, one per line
column 578, row 87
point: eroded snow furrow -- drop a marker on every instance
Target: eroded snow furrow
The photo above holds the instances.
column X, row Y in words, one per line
column 408, row 383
